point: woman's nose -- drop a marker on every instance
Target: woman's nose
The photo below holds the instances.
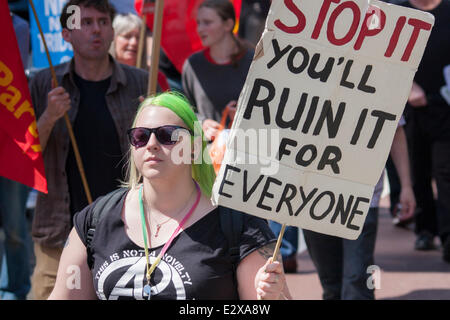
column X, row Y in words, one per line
column 134, row 41
column 152, row 143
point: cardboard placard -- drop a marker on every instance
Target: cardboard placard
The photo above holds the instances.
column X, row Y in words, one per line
column 319, row 110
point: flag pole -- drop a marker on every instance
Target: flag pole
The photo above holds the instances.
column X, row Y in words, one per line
column 66, row 117
column 280, row 238
column 277, row 247
column 142, row 36
column 156, row 45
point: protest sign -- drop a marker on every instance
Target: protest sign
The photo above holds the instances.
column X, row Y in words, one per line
column 48, row 14
column 318, row 112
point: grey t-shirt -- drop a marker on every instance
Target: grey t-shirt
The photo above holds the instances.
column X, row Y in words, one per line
column 210, row 86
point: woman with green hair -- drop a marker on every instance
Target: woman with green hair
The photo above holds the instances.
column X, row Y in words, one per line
column 202, row 170
column 162, row 238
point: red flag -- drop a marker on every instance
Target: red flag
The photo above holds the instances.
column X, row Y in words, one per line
column 179, row 37
column 20, row 150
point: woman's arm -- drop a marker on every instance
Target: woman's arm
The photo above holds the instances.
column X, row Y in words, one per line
column 74, row 279
column 260, row 278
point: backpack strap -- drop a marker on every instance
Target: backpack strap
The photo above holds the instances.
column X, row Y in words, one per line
column 103, row 205
column 232, row 223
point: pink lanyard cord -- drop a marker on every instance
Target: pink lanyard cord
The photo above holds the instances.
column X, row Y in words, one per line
column 174, row 234
column 186, row 217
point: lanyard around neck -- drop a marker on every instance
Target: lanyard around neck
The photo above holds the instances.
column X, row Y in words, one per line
column 166, row 246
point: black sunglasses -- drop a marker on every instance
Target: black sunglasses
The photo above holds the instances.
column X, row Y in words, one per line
column 166, row 135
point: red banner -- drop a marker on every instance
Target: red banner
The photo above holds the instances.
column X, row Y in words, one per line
column 179, row 38
column 20, row 150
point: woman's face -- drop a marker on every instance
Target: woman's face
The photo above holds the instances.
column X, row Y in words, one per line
column 156, row 160
column 127, row 47
column 211, row 28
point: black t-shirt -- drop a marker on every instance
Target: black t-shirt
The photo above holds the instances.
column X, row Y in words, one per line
column 437, row 54
column 98, row 143
column 197, row 265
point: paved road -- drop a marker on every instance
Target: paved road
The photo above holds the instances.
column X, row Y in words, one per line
column 405, row 274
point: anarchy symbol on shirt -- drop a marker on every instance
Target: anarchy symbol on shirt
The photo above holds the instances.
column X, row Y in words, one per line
column 131, row 274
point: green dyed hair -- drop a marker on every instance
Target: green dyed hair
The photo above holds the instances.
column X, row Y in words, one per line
column 202, row 169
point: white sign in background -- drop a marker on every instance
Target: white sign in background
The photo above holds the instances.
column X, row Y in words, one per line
column 325, row 92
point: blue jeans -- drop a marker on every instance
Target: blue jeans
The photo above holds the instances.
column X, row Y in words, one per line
column 289, row 244
column 343, row 264
column 15, row 270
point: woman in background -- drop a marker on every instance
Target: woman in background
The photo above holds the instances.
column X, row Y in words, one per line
column 214, row 77
column 125, row 46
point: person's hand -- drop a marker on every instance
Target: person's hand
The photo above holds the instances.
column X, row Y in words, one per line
column 58, row 104
column 210, row 128
column 270, row 281
column 417, row 97
column 408, row 203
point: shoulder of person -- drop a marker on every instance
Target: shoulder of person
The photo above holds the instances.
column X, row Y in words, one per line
column 197, row 57
column 136, row 78
column 46, row 72
column 133, row 71
column 43, row 78
column 190, row 64
column 250, row 52
column 248, row 55
column 244, row 216
column 90, row 216
column 246, row 229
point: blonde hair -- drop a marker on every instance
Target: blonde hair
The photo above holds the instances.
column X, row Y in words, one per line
column 202, row 171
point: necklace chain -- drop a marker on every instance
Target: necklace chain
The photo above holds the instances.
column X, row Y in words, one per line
column 159, row 225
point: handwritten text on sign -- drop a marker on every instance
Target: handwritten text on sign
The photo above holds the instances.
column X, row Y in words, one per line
column 328, row 85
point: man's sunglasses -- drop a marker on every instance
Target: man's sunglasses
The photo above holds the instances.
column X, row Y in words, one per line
column 167, row 135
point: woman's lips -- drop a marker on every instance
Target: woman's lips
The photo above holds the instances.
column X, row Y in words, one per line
column 152, row 160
